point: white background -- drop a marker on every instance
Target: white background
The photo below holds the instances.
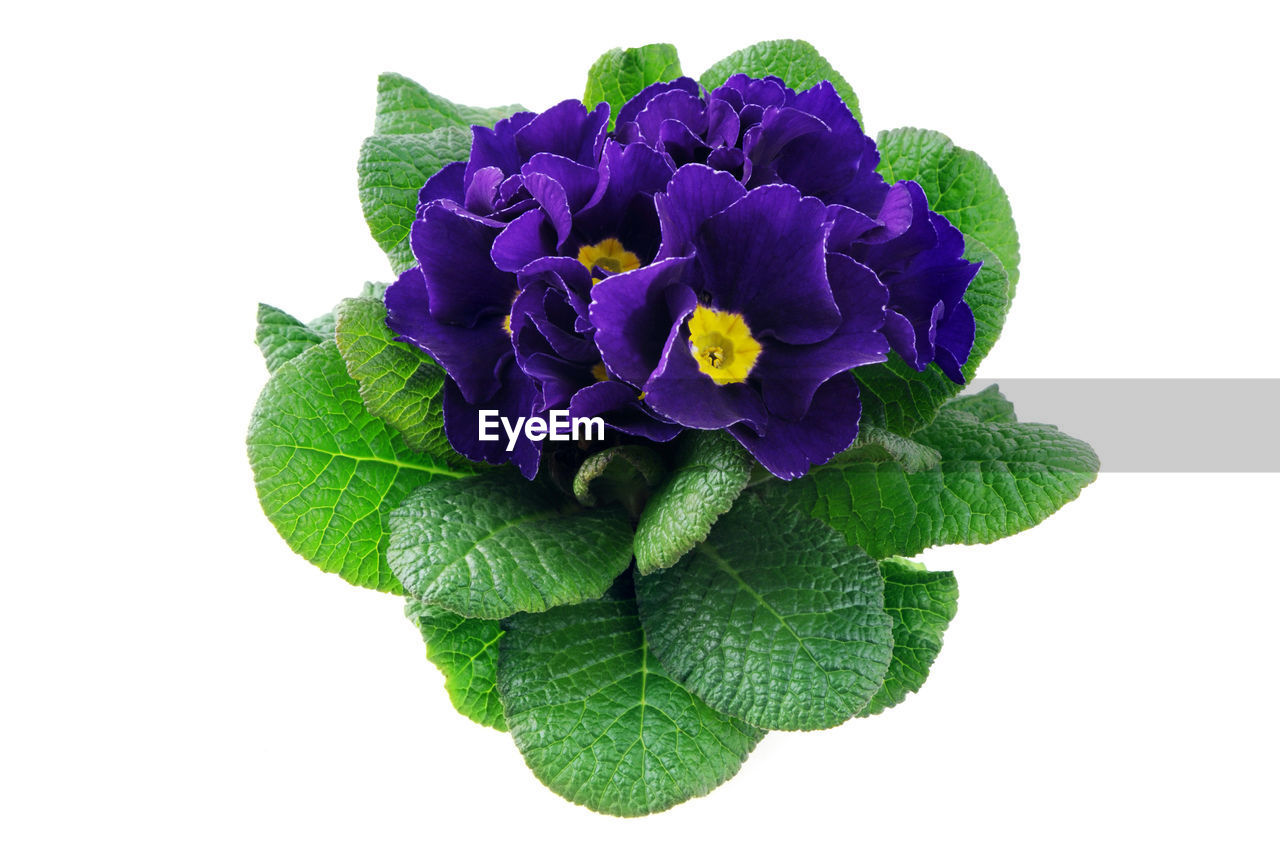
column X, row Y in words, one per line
column 172, row 676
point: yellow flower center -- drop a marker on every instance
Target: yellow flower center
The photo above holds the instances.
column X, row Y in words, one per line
column 506, row 324
column 722, row 344
column 598, row 372
column 609, row 255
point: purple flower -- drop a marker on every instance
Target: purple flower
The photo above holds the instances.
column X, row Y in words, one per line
column 918, row 254
column 744, row 322
column 761, row 132
column 508, row 244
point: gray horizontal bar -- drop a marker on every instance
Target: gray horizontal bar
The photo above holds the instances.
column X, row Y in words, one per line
column 1159, row 425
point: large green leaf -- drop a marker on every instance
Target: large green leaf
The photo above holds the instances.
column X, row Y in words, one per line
column 399, row 383
column 601, row 723
column 466, row 651
column 798, row 63
column 392, row 168
column 897, row 397
column 710, row 471
column 281, row 337
column 958, row 183
column 406, row 107
column 876, row 443
column 995, row 479
column 773, row 619
column 496, row 544
column 922, row 605
column 327, row 472
column 620, row 74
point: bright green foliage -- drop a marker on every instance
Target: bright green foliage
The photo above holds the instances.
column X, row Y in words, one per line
column 392, row 168
column 601, row 723
column 897, row 397
column 798, row 63
column 708, row 475
column 622, row 73
column 281, row 337
column 995, row 479
column 989, row 405
column 922, row 605
column 958, row 183
column 399, row 383
column 466, row 651
column 493, row 545
column 406, row 107
column 773, row 619
column 328, row 472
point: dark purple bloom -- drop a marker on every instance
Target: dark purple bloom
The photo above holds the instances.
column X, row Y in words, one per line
column 761, row 132
column 744, row 323
column 918, row 254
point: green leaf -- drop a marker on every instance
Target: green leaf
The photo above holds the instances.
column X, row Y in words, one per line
column 875, row 443
column 774, row 619
column 497, row 544
column 399, row 383
column 281, row 337
column 995, row 479
column 466, row 651
column 922, row 605
column 392, row 168
column 622, row 73
column 989, row 405
column 406, row 107
column 798, row 63
column 327, row 472
column 600, row 722
column 897, row 397
column 618, row 474
column 958, row 183
column 709, row 473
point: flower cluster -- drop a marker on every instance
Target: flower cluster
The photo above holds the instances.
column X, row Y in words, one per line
column 721, row 260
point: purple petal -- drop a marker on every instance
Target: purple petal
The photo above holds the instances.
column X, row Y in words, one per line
column 445, row 183
column 618, row 404
column 633, row 313
column 694, row 194
column 763, row 257
column 524, row 240
column 567, row 129
column 473, row 357
column 496, row 147
column 632, row 107
column 789, row 448
column 453, row 250
column 789, row 375
column 682, row 392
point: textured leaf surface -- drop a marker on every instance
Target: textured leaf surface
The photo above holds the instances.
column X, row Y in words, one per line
column 392, row 168
column 618, row 474
column 995, row 479
column 496, row 544
column 406, row 107
column 601, row 723
column 798, row 63
column 899, row 398
column 622, row 73
column 922, row 605
column 708, row 475
column 399, row 383
column 958, row 183
column 466, row 651
column 989, row 405
column 327, row 472
column 281, row 337
column 875, row 444
column 774, row 619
